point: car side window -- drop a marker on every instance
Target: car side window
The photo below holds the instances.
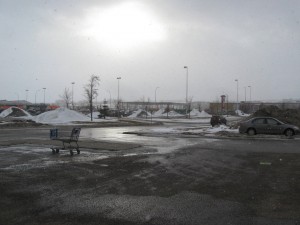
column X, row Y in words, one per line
column 259, row 121
column 272, row 122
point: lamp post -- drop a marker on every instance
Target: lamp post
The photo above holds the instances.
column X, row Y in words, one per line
column 73, row 94
column 36, row 95
column 155, row 93
column 118, row 103
column 44, row 94
column 237, row 95
column 227, row 104
column 250, row 99
column 18, row 97
column 187, row 88
column 245, row 94
column 109, row 98
column 250, row 92
column 26, row 94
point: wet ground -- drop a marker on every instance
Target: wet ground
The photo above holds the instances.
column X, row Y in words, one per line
column 158, row 179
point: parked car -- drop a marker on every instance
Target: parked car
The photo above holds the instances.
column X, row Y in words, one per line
column 267, row 125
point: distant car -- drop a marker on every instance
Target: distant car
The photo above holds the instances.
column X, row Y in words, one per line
column 267, row 125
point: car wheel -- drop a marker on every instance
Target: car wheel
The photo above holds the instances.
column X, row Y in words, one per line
column 251, row 132
column 289, row 133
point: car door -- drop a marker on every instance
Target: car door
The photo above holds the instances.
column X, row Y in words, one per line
column 260, row 125
column 274, row 127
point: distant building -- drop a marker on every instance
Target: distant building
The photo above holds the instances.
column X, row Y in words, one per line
column 4, row 104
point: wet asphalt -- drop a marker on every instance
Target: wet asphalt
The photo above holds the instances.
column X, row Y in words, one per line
column 167, row 179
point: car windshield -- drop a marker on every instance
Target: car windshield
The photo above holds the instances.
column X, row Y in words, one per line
column 149, row 112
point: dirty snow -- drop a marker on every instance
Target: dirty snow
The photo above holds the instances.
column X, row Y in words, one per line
column 9, row 112
column 241, row 113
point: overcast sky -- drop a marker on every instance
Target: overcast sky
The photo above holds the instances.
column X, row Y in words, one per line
column 50, row 44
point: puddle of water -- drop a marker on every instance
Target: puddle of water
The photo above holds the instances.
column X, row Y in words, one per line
column 163, row 143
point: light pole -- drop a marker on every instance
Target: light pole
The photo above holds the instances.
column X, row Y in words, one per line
column 44, row 94
column 227, row 103
column 250, row 92
column 155, row 93
column 237, row 95
column 250, row 99
column 26, row 94
column 73, row 94
column 245, row 94
column 118, row 103
column 36, row 95
column 187, row 88
column 18, row 97
column 109, row 98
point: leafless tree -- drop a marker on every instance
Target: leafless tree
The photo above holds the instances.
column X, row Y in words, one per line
column 90, row 91
column 66, row 97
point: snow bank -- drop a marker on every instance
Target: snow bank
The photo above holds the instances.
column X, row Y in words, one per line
column 159, row 113
column 241, row 113
column 214, row 130
column 172, row 114
column 202, row 114
column 60, row 115
column 14, row 112
column 139, row 113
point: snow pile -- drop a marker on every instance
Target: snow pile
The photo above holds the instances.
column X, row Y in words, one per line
column 60, row 115
column 217, row 129
column 202, row 114
column 139, row 113
column 159, row 113
column 14, row 112
column 172, row 114
column 241, row 113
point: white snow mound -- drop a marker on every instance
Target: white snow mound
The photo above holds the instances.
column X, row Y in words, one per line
column 139, row 113
column 202, row 114
column 60, row 115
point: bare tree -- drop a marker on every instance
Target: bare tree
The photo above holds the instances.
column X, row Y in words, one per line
column 90, row 91
column 66, row 97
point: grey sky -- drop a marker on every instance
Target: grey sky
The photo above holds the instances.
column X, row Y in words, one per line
column 52, row 43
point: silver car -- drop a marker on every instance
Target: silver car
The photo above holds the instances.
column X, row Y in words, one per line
column 267, row 125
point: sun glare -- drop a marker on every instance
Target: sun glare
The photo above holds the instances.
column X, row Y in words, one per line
column 123, row 26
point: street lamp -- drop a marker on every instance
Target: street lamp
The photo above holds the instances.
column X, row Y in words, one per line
column 118, row 103
column 250, row 99
column 36, row 95
column 73, row 94
column 250, row 92
column 187, row 87
column 245, row 94
column 155, row 93
column 18, row 97
column 109, row 98
column 237, row 95
column 44, row 94
column 26, row 94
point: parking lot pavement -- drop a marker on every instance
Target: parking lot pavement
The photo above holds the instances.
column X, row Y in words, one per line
column 197, row 181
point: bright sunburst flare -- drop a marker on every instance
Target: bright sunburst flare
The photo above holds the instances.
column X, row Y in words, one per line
column 123, row 26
